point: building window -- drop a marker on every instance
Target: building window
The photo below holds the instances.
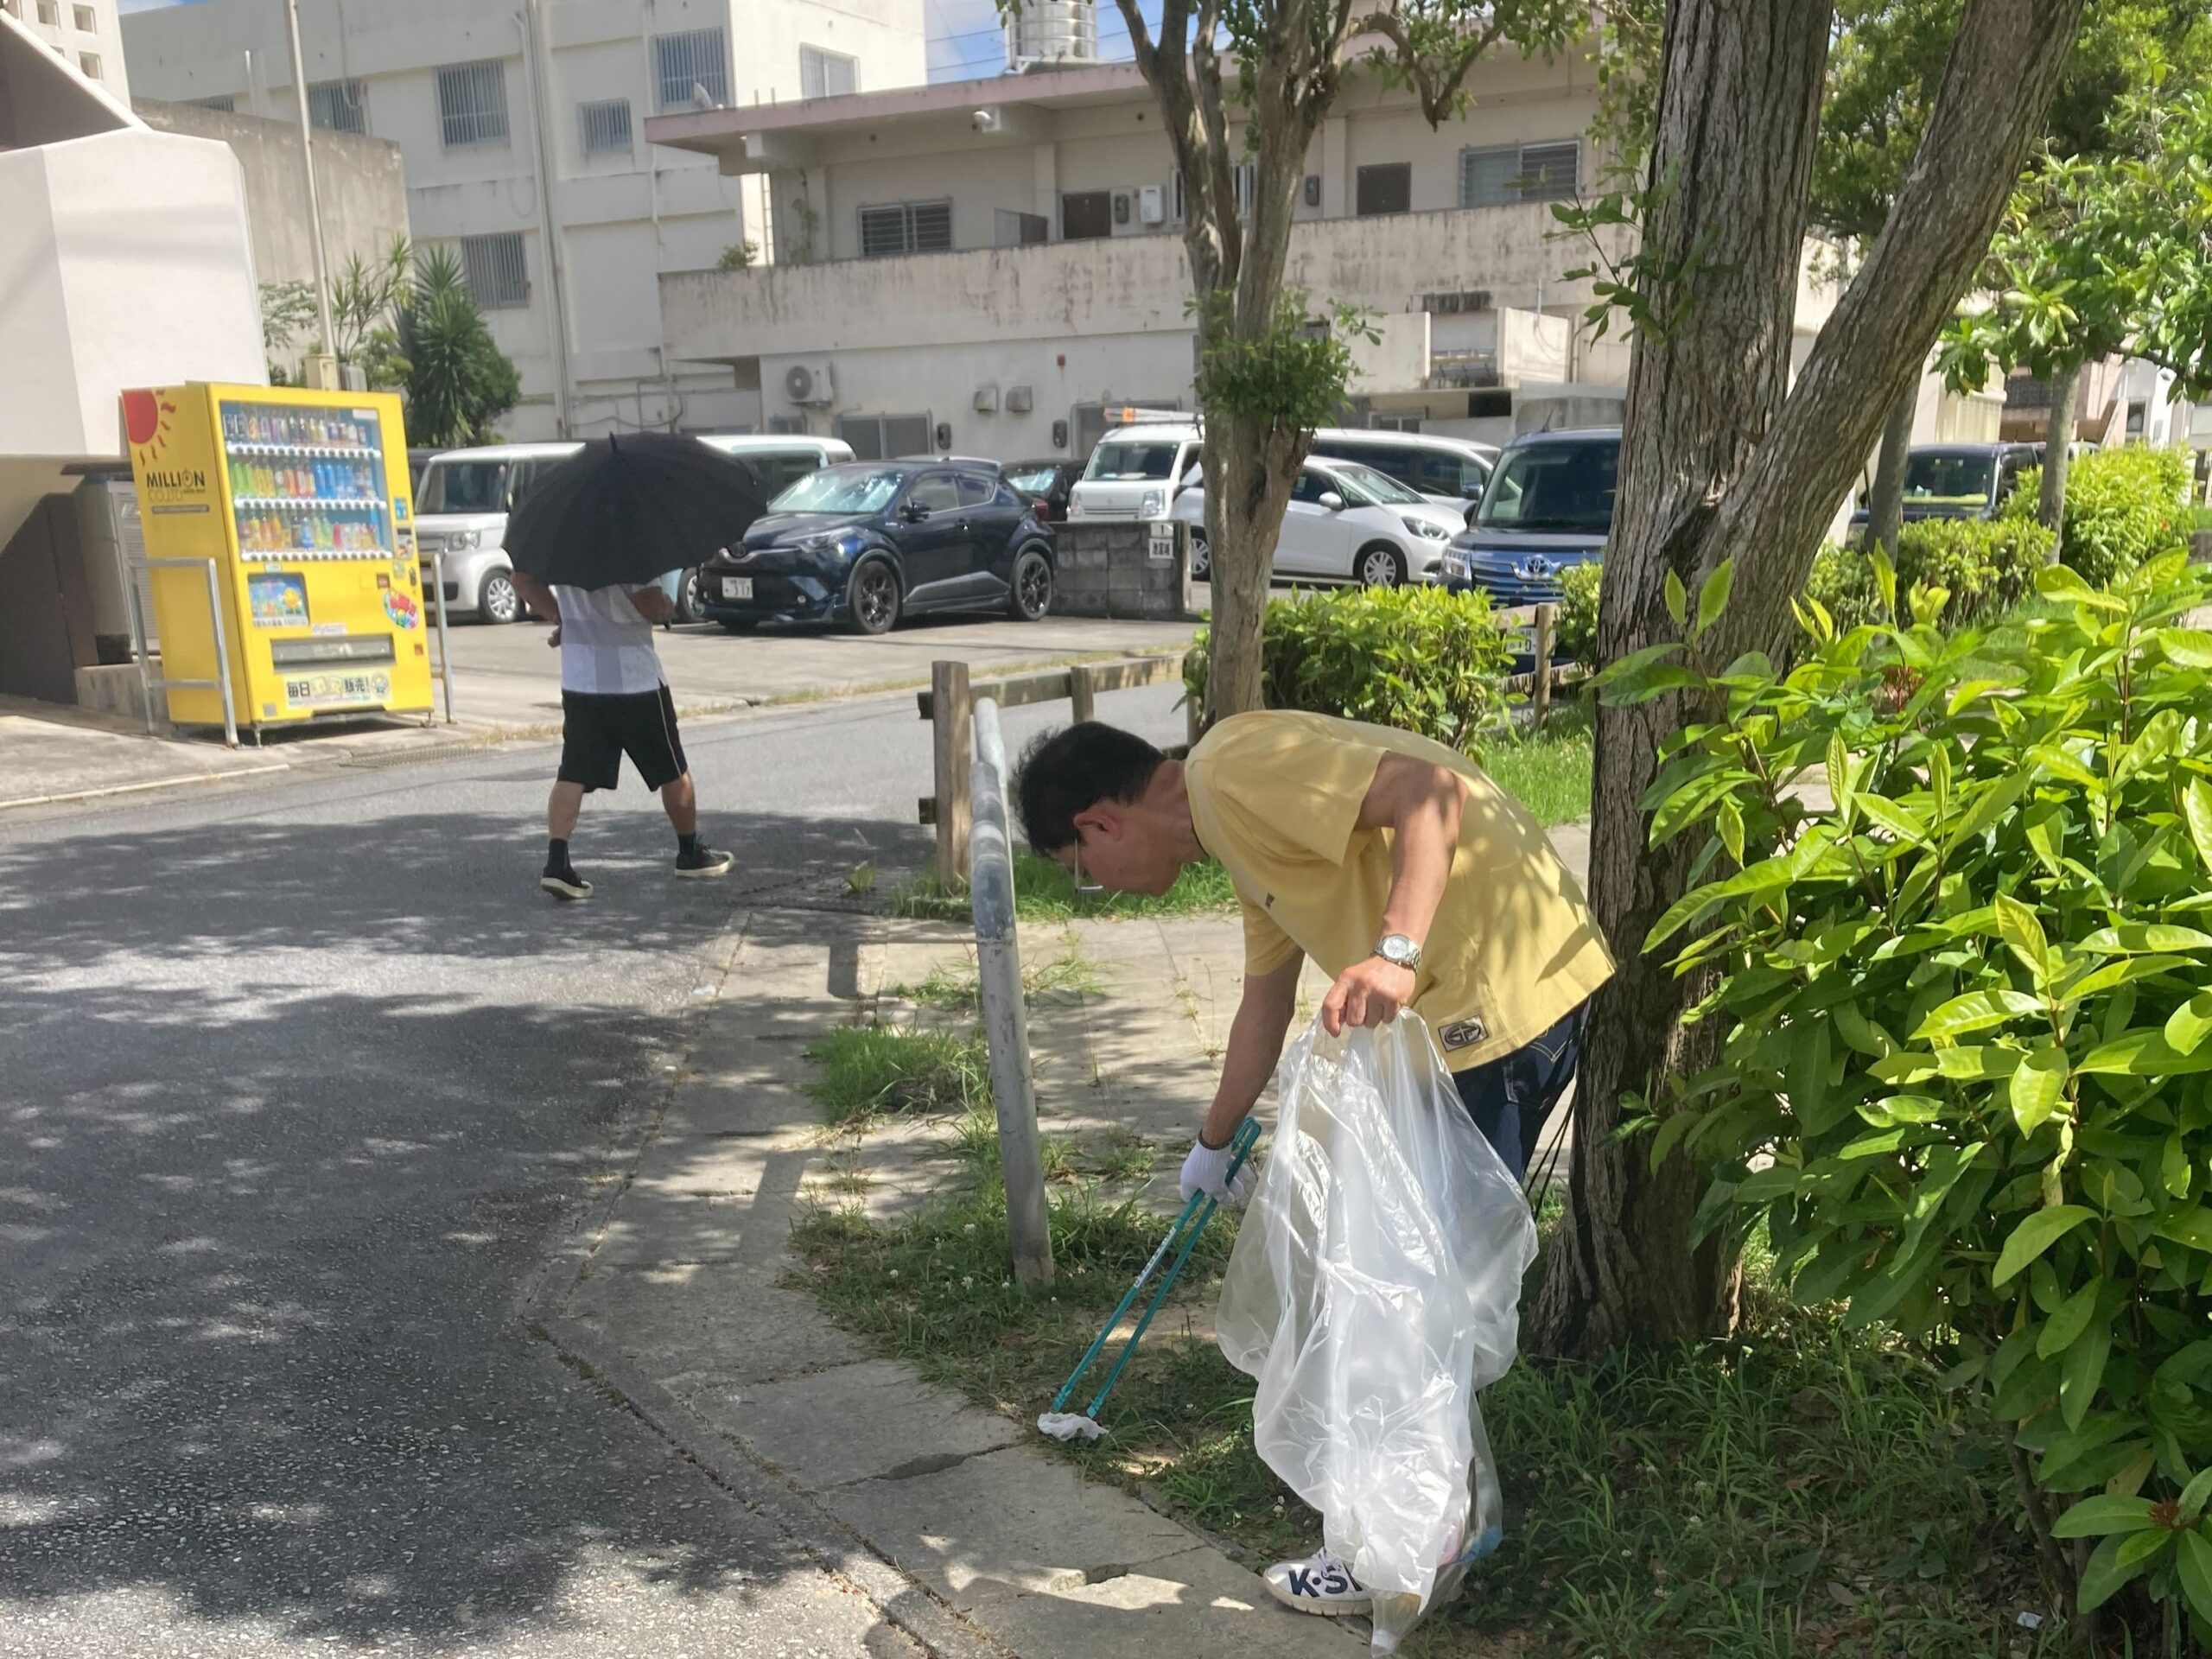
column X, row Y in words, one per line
column 49, row 12
column 1247, row 175
column 498, row 279
column 227, row 102
column 606, row 126
column 1014, row 229
column 90, row 63
column 884, row 437
column 1385, row 190
column 1492, row 178
column 473, row 102
column 909, row 227
column 88, row 21
column 338, row 105
column 1086, row 215
column 693, row 66
column 827, row 74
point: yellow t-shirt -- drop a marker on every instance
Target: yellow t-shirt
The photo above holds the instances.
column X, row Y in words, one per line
column 1276, row 796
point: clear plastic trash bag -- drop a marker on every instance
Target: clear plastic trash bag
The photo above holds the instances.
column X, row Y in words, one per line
column 1374, row 1286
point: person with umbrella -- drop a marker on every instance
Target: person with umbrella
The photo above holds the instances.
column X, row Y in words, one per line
column 588, row 545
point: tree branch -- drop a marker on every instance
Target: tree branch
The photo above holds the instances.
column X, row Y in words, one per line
column 1996, row 88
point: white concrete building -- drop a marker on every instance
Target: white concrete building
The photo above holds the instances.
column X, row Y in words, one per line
column 522, row 123
column 83, row 32
column 985, row 265
column 124, row 262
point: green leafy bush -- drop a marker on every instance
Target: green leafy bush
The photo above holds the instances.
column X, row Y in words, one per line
column 2125, row 507
column 1965, row 1080
column 1419, row 658
column 1987, row 568
column 1577, row 613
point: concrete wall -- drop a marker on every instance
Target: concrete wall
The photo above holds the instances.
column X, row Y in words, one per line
column 360, row 182
column 621, row 218
column 1140, row 571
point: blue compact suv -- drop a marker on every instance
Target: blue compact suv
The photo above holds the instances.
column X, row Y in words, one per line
column 867, row 542
column 1549, row 504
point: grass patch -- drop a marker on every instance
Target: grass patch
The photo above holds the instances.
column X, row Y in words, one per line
column 1549, row 771
column 1803, row 1491
column 956, row 989
column 868, row 1071
column 2201, row 518
column 1043, row 891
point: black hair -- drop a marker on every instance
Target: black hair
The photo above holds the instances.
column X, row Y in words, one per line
column 1068, row 772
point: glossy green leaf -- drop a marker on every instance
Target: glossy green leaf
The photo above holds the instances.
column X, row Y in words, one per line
column 2137, row 938
column 2022, row 930
column 2061, row 582
column 2189, row 1227
column 2190, row 647
column 2036, row 1234
column 1905, row 825
column 2046, row 826
column 2193, row 1568
column 2113, row 975
column 1729, row 821
column 1712, row 597
column 1678, row 600
column 1977, row 1011
column 2098, row 1517
column 1861, row 1033
column 2107, row 1574
column 2197, row 807
column 2188, row 1025
column 2143, row 1054
column 2071, row 1318
column 2195, row 1495
column 2173, row 1168
column 2038, row 1087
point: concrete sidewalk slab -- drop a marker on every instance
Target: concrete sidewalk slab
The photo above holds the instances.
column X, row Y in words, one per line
column 50, row 755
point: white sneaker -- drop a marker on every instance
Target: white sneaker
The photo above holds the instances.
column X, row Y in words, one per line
column 1320, row 1584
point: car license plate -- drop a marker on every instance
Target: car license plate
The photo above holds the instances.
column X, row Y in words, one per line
column 737, row 587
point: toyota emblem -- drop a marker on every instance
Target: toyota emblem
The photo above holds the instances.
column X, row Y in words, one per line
column 1536, row 565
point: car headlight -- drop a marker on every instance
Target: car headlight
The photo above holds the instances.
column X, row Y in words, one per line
column 827, row 541
column 1154, row 504
column 1426, row 530
column 464, row 539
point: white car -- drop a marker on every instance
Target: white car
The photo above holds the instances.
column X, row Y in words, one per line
column 1345, row 523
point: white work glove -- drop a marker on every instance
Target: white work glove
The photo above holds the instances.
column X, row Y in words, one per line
column 1206, row 1170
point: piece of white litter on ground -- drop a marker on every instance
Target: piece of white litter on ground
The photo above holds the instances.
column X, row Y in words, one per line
column 1067, row 1425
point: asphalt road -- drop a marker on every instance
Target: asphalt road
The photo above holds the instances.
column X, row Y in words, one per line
column 298, row 1083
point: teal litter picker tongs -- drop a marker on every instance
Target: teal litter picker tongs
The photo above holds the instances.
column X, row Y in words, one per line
column 1182, row 1238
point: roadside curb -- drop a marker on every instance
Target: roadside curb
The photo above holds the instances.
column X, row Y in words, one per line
column 65, row 798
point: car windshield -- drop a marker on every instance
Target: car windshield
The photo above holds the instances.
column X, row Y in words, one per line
column 840, row 489
column 1555, row 487
column 1963, row 479
column 1123, row 461
column 464, row 486
column 1375, row 487
column 1033, row 480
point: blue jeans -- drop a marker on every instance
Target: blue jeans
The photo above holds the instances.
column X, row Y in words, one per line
column 1509, row 1097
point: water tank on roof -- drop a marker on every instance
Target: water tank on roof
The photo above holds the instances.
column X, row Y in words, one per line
column 1048, row 32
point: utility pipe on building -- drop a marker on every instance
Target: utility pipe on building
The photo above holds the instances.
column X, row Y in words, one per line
column 533, row 22
column 314, row 205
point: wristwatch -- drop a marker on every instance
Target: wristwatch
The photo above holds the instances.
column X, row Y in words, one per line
column 1399, row 951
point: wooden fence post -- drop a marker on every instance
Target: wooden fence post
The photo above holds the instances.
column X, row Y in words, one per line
column 1083, row 692
column 949, row 725
column 1545, row 616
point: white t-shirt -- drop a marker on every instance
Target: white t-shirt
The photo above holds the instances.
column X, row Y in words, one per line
column 606, row 646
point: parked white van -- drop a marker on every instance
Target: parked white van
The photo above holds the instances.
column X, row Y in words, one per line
column 1135, row 472
column 461, row 510
column 1450, row 472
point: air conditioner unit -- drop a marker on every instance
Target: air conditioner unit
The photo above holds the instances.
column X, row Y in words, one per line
column 1152, row 206
column 986, row 400
column 1018, row 400
column 809, row 383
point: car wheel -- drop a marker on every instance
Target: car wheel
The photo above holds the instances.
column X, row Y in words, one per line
column 873, row 596
column 1032, row 595
column 497, row 601
column 1201, row 557
column 737, row 625
column 690, row 603
column 1381, row 566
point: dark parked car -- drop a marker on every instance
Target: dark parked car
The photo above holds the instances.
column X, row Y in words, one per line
column 1957, row 480
column 869, row 542
column 1549, row 504
column 1045, row 482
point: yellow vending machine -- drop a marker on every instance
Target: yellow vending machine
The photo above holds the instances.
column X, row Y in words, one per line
column 285, row 513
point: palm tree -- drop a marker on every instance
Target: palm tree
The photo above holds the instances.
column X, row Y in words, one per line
column 458, row 380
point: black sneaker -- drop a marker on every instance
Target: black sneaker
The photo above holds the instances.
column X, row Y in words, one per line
column 702, row 863
column 564, row 883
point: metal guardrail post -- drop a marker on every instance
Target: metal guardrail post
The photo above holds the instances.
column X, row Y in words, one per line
column 445, row 646
column 223, row 661
column 949, row 726
column 1082, row 693
column 1005, row 1020
column 139, row 651
column 149, row 684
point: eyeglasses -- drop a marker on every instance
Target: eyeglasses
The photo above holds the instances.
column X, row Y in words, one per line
column 1082, row 886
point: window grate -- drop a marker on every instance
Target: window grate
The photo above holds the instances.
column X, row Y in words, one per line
column 606, row 126
column 1515, row 173
column 473, row 102
column 688, row 63
column 338, row 105
column 498, row 279
column 908, row 227
column 827, row 74
column 227, row 103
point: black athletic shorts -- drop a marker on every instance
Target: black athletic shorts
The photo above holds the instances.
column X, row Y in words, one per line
column 597, row 729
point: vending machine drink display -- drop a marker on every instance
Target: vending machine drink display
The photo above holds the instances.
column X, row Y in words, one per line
column 300, row 500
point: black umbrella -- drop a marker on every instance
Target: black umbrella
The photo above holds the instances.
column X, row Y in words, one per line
column 624, row 511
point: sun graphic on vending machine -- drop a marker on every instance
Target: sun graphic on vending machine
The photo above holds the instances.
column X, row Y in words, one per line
column 146, row 423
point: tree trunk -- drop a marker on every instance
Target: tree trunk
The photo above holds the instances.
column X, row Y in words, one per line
column 2057, row 455
column 1885, row 506
column 1250, row 467
column 1721, row 461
